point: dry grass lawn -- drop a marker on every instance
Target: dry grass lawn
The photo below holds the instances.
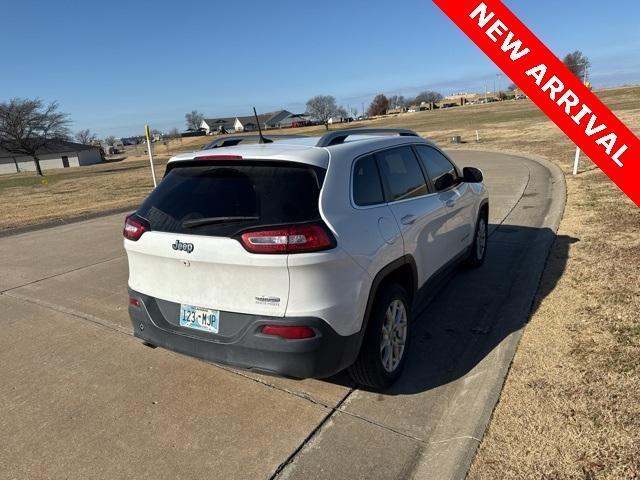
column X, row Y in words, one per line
column 570, row 408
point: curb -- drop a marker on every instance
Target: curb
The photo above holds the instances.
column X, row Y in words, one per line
column 65, row 221
column 451, row 459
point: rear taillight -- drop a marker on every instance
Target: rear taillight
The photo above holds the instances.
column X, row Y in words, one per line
column 288, row 332
column 292, row 239
column 134, row 227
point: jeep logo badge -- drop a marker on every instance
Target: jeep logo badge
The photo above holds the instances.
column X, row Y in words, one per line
column 185, row 247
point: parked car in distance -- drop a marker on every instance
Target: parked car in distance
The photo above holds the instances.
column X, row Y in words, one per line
column 301, row 257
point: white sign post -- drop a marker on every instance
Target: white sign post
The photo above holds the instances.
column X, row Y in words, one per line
column 147, row 134
column 576, row 162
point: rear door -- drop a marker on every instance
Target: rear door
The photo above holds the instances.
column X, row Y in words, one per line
column 420, row 214
column 192, row 254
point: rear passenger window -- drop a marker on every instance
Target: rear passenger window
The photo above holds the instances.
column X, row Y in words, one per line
column 367, row 189
column 435, row 163
column 403, row 174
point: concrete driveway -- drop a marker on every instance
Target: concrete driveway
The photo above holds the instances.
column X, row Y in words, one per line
column 81, row 398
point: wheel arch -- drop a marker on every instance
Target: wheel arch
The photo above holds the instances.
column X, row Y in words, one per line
column 483, row 209
column 403, row 271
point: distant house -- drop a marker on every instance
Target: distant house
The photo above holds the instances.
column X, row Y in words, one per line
column 248, row 123
column 519, row 94
column 338, row 119
column 56, row 154
column 279, row 119
column 276, row 119
column 216, row 125
column 295, row 120
column 418, row 108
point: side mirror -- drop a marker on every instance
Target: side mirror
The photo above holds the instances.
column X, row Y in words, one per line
column 444, row 182
column 472, row 175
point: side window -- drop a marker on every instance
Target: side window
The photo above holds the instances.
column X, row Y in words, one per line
column 367, row 188
column 435, row 164
column 404, row 177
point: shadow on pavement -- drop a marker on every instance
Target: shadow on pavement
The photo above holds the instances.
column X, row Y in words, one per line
column 470, row 312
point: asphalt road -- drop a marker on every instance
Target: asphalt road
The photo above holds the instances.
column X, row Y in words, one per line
column 81, row 398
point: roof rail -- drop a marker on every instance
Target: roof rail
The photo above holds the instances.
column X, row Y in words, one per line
column 339, row 136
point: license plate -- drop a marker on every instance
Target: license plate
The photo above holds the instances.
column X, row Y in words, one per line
column 198, row 318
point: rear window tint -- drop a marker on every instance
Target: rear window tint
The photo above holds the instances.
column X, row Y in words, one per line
column 264, row 193
column 367, row 188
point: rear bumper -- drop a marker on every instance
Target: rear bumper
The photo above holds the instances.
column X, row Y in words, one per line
column 321, row 356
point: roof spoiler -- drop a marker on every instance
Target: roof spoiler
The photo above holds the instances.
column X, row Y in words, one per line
column 339, row 136
column 233, row 140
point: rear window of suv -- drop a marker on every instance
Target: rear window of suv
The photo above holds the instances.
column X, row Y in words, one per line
column 224, row 198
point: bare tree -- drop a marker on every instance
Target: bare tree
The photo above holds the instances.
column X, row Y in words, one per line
column 193, row 119
column 397, row 101
column 86, row 137
column 322, row 108
column 110, row 140
column 28, row 125
column 428, row 96
column 577, row 63
column 174, row 134
column 379, row 106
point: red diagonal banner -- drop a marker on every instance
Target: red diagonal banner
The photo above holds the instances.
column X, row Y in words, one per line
column 552, row 86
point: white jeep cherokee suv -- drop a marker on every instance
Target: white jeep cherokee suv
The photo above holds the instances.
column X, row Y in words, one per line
column 301, row 257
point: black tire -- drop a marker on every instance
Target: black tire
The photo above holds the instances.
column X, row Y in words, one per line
column 368, row 369
column 475, row 258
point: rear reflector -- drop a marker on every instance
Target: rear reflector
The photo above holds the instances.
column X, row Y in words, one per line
column 288, row 333
column 134, row 227
column 219, row 157
column 293, row 239
column 134, row 302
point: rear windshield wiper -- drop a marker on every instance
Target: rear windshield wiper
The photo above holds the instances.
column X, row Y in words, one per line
column 198, row 222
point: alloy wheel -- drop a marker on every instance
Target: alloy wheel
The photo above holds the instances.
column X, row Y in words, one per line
column 394, row 335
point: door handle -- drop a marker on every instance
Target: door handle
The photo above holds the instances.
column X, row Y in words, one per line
column 450, row 203
column 408, row 220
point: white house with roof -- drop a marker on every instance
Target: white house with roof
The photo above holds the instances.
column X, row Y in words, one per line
column 217, row 125
column 279, row 119
column 55, row 154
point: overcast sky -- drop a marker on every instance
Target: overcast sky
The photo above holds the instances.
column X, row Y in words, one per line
column 114, row 66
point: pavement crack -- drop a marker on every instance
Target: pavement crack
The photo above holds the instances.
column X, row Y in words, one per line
column 62, row 273
column 462, row 437
column 308, row 438
column 59, row 308
column 504, row 219
column 384, row 427
column 301, row 395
